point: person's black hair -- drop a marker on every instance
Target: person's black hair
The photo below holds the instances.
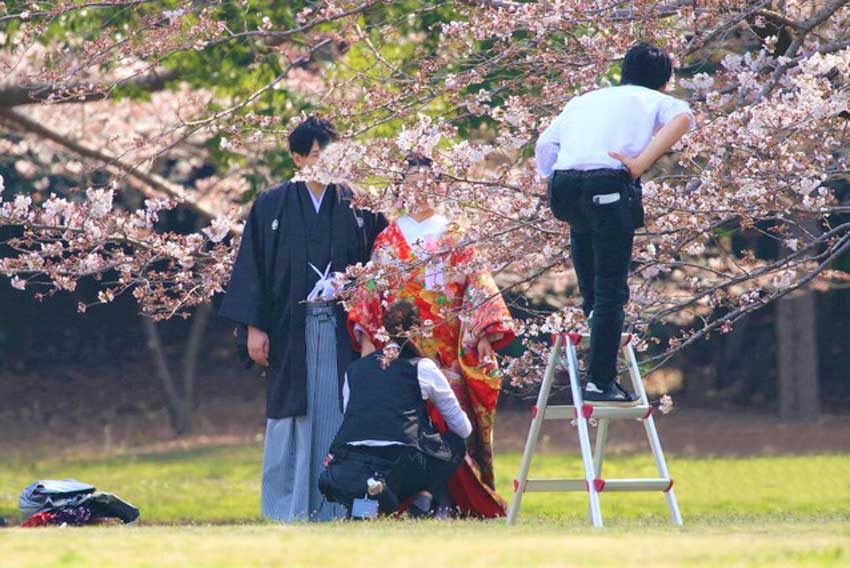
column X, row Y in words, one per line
column 312, row 130
column 646, row 65
column 399, row 319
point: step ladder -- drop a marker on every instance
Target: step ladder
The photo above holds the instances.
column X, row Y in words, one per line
column 592, row 482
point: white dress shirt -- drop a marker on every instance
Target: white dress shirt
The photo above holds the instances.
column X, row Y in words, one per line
column 613, row 119
column 435, row 387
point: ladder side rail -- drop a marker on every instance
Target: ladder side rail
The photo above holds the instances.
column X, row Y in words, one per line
column 661, row 465
column 534, row 431
column 599, row 450
column 599, row 454
column 634, row 373
column 652, row 435
column 583, row 437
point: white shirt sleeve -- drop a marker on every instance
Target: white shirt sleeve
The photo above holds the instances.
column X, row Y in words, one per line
column 346, row 392
column 671, row 107
column 435, row 387
column 547, row 147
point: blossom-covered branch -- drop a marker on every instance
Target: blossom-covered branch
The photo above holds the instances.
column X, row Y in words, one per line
column 471, row 85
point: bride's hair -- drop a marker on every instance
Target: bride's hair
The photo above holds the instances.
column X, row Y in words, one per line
column 415, row 159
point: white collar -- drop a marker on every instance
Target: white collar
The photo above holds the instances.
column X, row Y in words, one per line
column 414, row 230
column 317, row 201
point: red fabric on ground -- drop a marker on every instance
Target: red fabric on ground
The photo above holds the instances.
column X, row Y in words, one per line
column 471, row 496
column 39, row 519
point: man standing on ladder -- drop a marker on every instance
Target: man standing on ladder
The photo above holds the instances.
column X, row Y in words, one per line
column 594, row 153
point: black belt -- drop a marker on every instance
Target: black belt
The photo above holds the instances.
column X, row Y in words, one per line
column 368, row 454
column 587, row 174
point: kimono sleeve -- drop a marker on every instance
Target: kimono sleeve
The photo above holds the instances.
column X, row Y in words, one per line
column 482, row 299
column 364, row 317
column 246, row 299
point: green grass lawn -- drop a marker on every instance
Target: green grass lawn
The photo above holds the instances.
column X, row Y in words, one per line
column 222, row 485
column 742, row 511
column 429, row 544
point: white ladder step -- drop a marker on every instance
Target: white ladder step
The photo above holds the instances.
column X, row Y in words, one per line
column 634, row 484
column 568, row 412
column 555, row 485
column 583, row 339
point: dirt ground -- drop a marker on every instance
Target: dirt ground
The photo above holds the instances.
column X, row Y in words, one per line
column 73, row 383
column 222, row 422
column 51, row 403
column 694, row 432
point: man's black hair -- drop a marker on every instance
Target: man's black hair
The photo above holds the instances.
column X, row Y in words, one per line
column 399, row 318
column 312, row 130
column 646, row 65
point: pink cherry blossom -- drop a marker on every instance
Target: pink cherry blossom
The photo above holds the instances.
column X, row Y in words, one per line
column 771, row 140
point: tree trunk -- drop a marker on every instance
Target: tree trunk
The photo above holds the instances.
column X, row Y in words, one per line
column 180, row 422
column 797, row 345
column 190, row 359
column 181, row 405
column 797, row 356
column 727, row 360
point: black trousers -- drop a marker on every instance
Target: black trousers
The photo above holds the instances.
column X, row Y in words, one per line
column 601, row 238
column 405, row 470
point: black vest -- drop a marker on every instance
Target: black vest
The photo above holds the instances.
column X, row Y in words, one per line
column 386, row 404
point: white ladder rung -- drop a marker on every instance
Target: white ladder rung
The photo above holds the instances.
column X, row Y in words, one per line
column 568, row 412
column 634, row 485
column 554, row 485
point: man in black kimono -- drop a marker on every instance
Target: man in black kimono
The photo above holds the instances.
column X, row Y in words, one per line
column 296, row 236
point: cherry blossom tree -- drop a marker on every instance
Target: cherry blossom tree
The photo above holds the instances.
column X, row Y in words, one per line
column 155, row 93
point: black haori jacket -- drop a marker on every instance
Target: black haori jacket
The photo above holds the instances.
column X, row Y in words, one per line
column 270, row 279
column 386, row 405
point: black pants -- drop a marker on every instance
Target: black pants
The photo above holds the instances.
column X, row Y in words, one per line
column 406, row 471
column 601, row 236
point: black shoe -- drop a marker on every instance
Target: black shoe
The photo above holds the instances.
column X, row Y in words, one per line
column 612, row 393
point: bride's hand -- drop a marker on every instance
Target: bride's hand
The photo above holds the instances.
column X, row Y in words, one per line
column 486, row 354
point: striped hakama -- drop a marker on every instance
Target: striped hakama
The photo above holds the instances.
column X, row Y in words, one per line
column 295, row 448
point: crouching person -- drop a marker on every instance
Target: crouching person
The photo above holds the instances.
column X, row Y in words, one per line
column 387, row 450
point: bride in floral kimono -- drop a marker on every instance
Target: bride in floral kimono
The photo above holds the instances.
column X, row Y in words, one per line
column 465, row 321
